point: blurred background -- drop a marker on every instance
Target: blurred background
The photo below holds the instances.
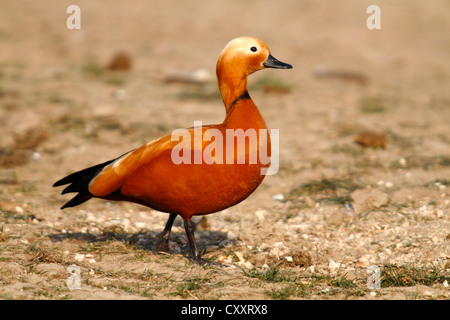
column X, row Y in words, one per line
column 47, row 70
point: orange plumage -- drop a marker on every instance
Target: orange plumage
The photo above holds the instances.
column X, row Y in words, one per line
column 149, row 176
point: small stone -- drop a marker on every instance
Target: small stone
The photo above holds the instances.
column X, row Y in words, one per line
column 260, row 214
column 120, row 61
column 231, row 236
column 371, row 139
column 363, row 261
column 239, row 255
column 19, row 210
column 224, row 259
column 35, row 156
column 79, row 257
column 388, row 184
column 141, row 225
column 278, row 197
column 423, row 209
column 333, row 265
column 428, row 293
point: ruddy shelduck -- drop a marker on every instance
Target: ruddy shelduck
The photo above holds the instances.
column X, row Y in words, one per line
column 149, row 175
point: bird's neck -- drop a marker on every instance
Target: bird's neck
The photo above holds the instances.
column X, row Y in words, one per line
column 232, row 85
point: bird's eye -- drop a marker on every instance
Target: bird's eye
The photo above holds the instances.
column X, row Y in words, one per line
column 254, row 49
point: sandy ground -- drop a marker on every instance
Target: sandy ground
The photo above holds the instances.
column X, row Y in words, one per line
column 335, row 207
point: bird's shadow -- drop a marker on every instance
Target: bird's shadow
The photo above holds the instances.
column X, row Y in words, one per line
column 147, row 239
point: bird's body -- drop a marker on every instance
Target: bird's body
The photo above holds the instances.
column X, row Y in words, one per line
column 218, row 173
column 149, row 175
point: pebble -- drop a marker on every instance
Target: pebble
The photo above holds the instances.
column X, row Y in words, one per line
column 260, row 214
column 231, row 235
column 333, row 265
column 439, row 213
column 95, row 231
column 35, row 156
column 386, row 184
column 423, row 209
column 278, row 197
column 79, row 257
column 19, row 210
column 90, row 258
column 427, row 293
column 239, row 255
column 141, row 225
column 363, row 261
column 224, row 259
column 440, row 186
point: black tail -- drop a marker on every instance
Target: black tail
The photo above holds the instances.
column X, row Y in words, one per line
column 79, row 182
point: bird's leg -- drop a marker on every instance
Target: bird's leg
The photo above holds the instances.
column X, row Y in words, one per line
column 195, row 254
column 163, row 238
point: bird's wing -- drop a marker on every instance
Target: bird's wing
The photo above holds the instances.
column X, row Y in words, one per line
column 112, row 176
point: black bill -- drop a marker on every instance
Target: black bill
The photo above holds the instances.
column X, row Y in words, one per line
column 271, row 62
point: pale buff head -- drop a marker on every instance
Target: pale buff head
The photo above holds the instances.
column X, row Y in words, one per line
column 245, row 55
